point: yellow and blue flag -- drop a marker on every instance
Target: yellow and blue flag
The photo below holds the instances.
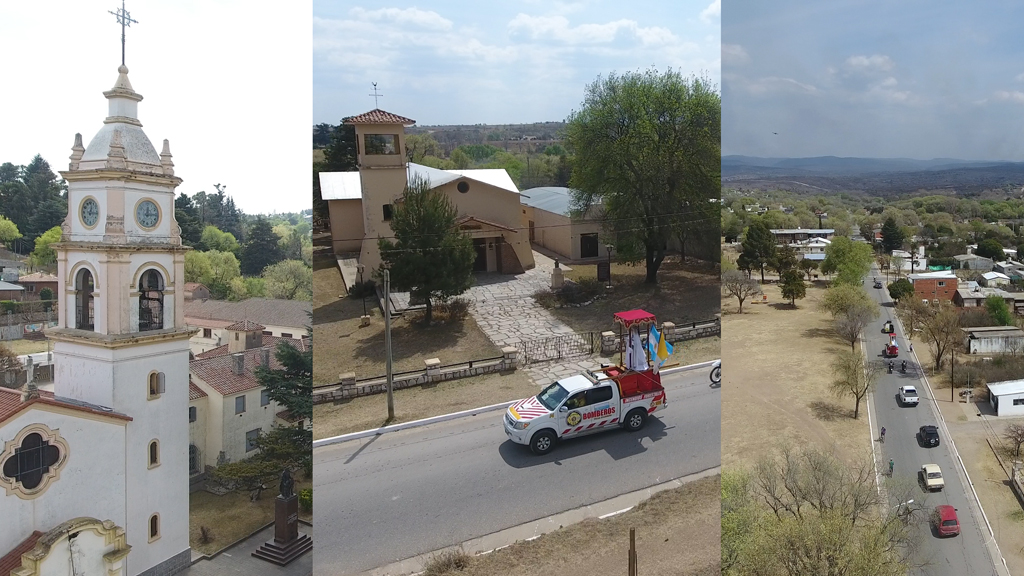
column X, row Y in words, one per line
column 659, row 347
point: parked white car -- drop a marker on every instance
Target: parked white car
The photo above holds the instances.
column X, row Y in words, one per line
column 908, row 396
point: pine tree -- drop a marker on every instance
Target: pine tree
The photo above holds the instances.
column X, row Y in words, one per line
column 759, row 245
column 261, row 248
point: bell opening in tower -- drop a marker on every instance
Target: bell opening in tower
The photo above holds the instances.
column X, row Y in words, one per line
column 84, row 302
column 151, row 301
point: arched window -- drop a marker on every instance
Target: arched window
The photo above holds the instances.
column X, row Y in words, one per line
column 154, row 454
column 151, row 301
column 156, row 385
column 154, row 527
column 84, row 309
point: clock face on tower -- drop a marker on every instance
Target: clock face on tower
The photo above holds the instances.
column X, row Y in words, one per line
column 90, row 212
column 147, row 214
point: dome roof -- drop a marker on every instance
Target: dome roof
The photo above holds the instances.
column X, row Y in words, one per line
column 121, row 143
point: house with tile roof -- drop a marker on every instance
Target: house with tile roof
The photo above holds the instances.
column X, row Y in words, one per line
column 228, row 408
column 280, row 318
column 37, row 281
column 361, row 201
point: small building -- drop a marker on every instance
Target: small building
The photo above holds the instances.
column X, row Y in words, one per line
column 554, row 227
column 973, row 262
column 993, row 340
column 993, row 279
column 9, row 291
column 280, row 318
column 34, row 283
column 196, row 291
column 794, row 235
column 975, row 296
column 934, row 287
column 1007, row 398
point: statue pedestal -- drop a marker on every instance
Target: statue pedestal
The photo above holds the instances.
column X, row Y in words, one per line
column 288, row 543
column 557, row 279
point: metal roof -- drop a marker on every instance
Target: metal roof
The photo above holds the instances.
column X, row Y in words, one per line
column 340, row 186
column 348, row 185
column 9, row 286
column 1008, row 387
column 554, row 199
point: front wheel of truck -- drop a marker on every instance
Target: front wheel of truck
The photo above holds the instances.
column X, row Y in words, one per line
column 542, row 442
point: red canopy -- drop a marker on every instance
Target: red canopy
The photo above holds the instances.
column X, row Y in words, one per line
column 634, row 317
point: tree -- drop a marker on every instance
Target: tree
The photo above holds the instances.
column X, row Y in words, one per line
column 892, row 235
column 999, row 311
column 850, row 261
column 897, row 263
column 732, row 227
column 800, row 513
column 942, row 332
column 646, row 145
column 785, row 258
column 851, row 377
column 291, row 386
column 8, row 231
column 289, row 280
column 808, row 267
column 792, row 285
column 839, row 299
column 188, row 220
column 214, row 239
column 990, row 249
column 461, row 159
column 10, row 367
column 913, row 312
column 901, row 289
column 850, row 323
column 759, row 245
column 252, row 475
column 43, row 254
column 261, row 248
column 429, row 256
column 197, row 267
column 1015, row 434
column 737, row 284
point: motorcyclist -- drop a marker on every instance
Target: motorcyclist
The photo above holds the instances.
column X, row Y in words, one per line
column 903, row 367
column 890, row 366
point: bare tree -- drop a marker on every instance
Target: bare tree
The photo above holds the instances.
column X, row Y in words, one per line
column 896, row 262
column 850, row 323
column 913, row 312
column 852, row 376
column 1015, row 433
column 942, row 332
column 735, row 283
column 815, row 514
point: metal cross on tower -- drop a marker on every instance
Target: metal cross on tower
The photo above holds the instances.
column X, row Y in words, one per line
column 375, row 95
column 125, row 20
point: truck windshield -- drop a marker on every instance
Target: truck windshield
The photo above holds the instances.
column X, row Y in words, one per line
column 552, row 396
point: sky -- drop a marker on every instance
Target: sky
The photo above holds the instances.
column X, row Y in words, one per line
column 497, row 62
column 880, row 79
column 227, row 82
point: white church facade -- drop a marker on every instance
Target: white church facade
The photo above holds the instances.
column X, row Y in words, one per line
column 95, row 474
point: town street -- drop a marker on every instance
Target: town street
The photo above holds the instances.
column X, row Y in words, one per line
column 955, row 556
column 394, row 496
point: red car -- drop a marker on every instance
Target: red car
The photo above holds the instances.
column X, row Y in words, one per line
column 945, row 520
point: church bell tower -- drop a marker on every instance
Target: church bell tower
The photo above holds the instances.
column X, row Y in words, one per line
column 121, row 340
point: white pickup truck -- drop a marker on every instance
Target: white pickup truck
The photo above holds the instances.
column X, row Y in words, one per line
column 908, row 396
column 584, row 404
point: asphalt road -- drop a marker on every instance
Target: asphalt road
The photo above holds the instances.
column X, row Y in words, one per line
column 956, row 556
column 391, row 497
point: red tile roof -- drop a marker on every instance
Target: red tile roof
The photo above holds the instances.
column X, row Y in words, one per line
column 191, row 286
column 246, row 326
column 12, row 560
column 11, row 404
column 194, row 393
column 266, row 311
column 37, row 277
column 268, row 341
column 217, row 370
column 378, row 116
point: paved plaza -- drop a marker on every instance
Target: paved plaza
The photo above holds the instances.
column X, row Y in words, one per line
column 239, row 561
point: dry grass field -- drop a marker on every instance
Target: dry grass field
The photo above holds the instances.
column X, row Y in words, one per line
column 775, row 381
column 232, row 516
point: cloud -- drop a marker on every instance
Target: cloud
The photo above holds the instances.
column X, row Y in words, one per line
column 409, row 16
column 557, row 28
column 770, row 84
column 734, row 54
column 1020, row 77
column 875, row 63
column 1012, row 96
column 712, row 12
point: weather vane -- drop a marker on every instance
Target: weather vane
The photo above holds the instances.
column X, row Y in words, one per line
column 375, row 95
column 125, row 20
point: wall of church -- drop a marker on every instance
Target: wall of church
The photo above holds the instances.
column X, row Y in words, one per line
column 498, row 206
column 91, row 482
column 197, row 433
column 162, row 489
column 347, row 229
column 378, row 160
column 380, row 187
column 84, row 552
column 552, row 232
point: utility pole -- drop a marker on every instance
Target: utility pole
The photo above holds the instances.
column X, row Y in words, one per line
column 632, row 552
column 387, row 344
column 952, row 383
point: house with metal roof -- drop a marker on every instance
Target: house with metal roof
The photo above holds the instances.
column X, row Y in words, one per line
column 1007, row 398
column 553, row 224
column 993, row 340
column 361, row 202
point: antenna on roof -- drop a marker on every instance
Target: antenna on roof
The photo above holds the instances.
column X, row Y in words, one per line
column 375, row 95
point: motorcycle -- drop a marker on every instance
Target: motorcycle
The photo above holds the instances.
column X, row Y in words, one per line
column 716, row 372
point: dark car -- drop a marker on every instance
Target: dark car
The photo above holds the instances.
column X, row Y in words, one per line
column 946, row 523
column 878, row 284
column 928, row 436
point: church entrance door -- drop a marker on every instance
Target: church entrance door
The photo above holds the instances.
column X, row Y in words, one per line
column 480, row 264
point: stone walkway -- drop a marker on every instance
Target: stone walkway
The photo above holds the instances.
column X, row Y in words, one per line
column 547, row 372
